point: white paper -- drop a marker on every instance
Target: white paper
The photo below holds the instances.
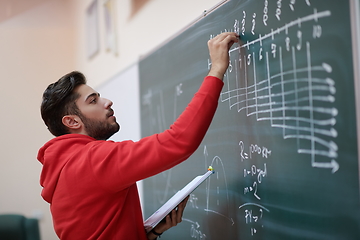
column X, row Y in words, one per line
column 171, row 204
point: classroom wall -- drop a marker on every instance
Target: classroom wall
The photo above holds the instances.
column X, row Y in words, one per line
column 153, row 24
column 43, row 43
column 35, row 46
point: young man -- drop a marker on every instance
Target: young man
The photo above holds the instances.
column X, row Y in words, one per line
column 89, row 182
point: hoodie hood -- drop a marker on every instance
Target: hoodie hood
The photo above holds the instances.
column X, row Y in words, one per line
column 54, row 155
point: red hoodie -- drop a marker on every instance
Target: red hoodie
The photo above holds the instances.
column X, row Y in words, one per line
column 91, row 184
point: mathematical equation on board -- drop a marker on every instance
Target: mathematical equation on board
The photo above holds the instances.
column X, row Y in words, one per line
column 255, row 173
column 298, row 98
column 254, row 212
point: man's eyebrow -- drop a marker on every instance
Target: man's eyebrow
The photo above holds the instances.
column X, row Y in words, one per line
column 92, row 95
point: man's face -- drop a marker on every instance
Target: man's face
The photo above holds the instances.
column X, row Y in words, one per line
column 96, row 113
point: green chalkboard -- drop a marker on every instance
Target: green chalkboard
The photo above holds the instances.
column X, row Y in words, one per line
column 284, row 139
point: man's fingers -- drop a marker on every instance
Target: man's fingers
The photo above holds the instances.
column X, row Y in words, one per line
column 180, row 209
column 227, row 38
column 225, row 35
column 179, row 213
column 183, row 202
column 232, row 39
column 173, row 218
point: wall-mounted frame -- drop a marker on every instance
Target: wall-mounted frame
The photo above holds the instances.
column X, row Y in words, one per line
column 109, row 9
column 92, row 30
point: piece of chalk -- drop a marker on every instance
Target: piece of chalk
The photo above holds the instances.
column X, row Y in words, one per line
column 211, row 168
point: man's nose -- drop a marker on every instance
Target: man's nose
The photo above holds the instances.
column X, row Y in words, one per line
column 108, row 103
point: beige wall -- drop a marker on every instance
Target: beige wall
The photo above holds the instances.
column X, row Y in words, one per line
column 35, row 46
column 40, row 45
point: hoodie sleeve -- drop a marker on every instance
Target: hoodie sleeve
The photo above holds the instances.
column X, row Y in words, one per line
column 116, row 165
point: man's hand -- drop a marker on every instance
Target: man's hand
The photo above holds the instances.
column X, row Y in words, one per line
column 171, row 220
column 219, row 48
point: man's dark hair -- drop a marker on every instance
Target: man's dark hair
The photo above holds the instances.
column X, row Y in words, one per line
column 59, row 100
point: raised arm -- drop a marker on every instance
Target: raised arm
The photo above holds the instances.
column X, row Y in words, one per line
column 219, row 55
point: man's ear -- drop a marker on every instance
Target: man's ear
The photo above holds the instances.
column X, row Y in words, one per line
column 73, row 122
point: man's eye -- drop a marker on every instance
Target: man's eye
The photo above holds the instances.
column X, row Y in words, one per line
column 93, row 101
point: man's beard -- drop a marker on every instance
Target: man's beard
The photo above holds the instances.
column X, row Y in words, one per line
column 100, row 130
